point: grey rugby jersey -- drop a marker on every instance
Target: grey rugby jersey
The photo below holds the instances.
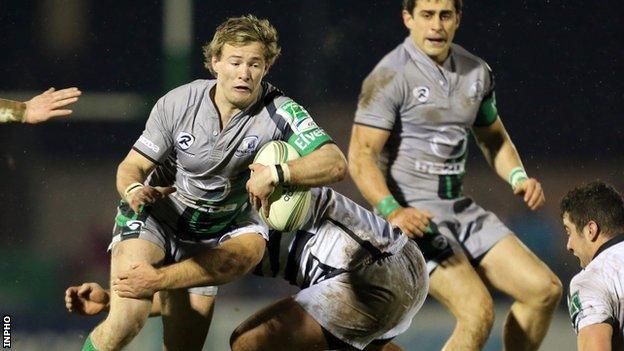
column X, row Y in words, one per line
column 338, row 236
column 597, row 292
column 209, row 166
column 428, row 110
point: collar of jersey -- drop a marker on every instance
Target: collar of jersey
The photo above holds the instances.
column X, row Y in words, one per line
column 613, row 241
column 419, row 56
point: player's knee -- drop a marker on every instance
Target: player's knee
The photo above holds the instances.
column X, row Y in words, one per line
column 548, row 292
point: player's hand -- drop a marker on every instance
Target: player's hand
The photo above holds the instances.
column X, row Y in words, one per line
column 147, row 195
column 141, row 281
column 533, row 193
column 413, row 222
column 49, row 104
column 88, row 299
column 260, row 186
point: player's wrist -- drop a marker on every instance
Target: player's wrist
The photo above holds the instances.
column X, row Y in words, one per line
column 280, row 173
column 387, row 206
column 12, row 111
column 517, row 176
column 130, row 189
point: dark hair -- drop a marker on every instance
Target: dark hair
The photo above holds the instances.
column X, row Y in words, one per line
column 595, row 201
column 410, row 5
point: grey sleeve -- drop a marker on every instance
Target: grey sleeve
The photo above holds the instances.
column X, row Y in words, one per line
column 380, row 100
column 156, row 140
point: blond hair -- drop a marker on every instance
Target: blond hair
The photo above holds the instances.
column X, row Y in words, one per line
column 240, row 31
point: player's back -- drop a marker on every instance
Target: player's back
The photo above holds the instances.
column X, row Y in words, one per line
column 338, row 236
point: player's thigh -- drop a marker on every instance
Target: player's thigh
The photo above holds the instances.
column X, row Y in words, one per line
column 283, row 325
column 456, row 285
column 186, row 319
column 514, row 270
column 125, row 312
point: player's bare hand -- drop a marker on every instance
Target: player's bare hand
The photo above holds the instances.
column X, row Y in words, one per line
column 141, row 281
column 88, row 299
column 260, row 186
column 413, row 222
column 532, row 193
column 50, row 104
column 147, row 195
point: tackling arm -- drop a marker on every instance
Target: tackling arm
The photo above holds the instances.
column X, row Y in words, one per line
column 215, row 266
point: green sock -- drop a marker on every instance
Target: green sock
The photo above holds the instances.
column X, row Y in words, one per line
column 88, row 345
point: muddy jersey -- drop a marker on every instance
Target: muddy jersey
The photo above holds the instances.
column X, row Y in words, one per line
column 596, row 292
column 208, row 164
column 428, row 110
column 338, row 236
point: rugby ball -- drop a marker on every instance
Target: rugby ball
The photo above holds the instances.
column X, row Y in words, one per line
column 289, row 204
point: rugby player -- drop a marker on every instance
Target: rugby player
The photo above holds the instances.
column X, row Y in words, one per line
column 593, row 218
column 40, row 108
column 201, row 138
column 407, row 156
column 361, row 281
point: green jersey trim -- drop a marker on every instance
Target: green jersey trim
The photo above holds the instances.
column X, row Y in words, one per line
column 307, row 136
column 488, row 112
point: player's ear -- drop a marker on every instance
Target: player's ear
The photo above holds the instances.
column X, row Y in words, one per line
column 407, row 19
column 594, row 230
column 214, row 63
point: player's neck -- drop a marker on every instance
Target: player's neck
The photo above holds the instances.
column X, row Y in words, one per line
column 224, row 108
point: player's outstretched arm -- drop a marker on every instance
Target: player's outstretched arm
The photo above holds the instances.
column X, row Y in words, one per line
column 502, row 155
column 90, row 299
column 40, row 108
column 595, row 337
column 215, row 266
column 50, row 104
column 364, row 150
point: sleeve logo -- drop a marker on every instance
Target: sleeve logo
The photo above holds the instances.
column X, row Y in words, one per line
column 297, row 116
column 574, row 307
column 150, row 145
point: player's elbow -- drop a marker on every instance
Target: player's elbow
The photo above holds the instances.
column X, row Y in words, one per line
column 340, row 169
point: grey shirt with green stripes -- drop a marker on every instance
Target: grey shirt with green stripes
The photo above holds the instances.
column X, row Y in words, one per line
column 208, row 164
column 429, row 110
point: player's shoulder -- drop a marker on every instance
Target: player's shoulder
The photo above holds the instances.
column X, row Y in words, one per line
column 467, row 58
column 590, row 281
column 393, row 63
column 189, row 93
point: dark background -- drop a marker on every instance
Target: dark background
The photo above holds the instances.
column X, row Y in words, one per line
column 558, row 69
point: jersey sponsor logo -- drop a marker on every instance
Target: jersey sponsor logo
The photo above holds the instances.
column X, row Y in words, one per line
column 307, row 138
column 449, row 142
column 438, row 168
column 574, row 307
column 185, row 140
column 150, row 145
column 421, row 93
column 215, row 188
column 248, row 146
